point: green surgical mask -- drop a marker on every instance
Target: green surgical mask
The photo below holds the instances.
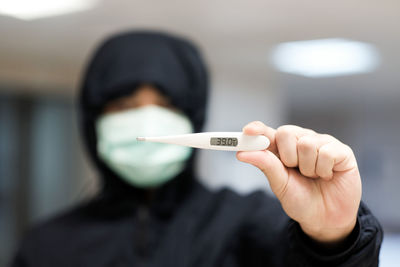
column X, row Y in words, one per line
column 142, row 164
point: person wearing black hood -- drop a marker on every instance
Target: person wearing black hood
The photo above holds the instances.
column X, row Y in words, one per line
column 151, row 210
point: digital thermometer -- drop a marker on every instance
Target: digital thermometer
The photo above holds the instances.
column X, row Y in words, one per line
column 230, row 141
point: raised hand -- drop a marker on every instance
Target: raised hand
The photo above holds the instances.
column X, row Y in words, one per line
column 314, row 176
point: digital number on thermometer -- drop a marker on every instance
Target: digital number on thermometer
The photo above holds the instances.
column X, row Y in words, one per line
column 228, row 141
column 223, row 141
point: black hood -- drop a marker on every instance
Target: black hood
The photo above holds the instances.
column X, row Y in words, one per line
column 126, row 60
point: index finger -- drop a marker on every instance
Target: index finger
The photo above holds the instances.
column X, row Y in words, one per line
column 259, row 128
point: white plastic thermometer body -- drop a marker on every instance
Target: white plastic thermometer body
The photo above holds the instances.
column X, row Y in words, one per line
column 230, row 141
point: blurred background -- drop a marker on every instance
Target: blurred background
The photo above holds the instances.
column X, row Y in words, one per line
column 264, row 66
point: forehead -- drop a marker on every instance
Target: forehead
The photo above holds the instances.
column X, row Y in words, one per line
column 142, row 92
column 148, row 90
column 145, row 94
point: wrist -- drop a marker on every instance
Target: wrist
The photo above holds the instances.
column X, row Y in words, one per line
column 329, row 236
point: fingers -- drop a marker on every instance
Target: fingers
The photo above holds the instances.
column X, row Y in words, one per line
column 307, row 153
column 308, row 147
column 259, row 128
column 270, row 165
column 315, row 155
column 286, row 140
column 326, row 161
column 334, row 156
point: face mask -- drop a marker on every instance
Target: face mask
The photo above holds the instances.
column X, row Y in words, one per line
column 142, row 164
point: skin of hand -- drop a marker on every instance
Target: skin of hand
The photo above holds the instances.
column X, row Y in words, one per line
column 314, row 176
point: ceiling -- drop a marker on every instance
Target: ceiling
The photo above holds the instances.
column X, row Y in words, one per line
column 48, row 55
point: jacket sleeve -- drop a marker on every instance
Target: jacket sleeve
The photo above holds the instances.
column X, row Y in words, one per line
column 270, row 238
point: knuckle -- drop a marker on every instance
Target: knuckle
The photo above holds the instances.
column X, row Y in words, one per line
column 310, row 131
column 284, row 132
column 324, row 152
column 285, row 129
column 348, row 149
column 306, row 143
column 327, row 137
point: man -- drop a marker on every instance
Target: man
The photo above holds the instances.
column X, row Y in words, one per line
column 151, row 211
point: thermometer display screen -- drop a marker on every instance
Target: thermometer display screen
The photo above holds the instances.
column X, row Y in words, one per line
column 224, row 141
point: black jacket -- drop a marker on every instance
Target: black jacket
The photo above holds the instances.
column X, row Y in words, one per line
column 182, row 223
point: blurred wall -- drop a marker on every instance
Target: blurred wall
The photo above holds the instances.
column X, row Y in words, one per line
column 43, row 170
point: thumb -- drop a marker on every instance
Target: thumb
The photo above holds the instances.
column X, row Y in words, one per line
column 270, row 165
